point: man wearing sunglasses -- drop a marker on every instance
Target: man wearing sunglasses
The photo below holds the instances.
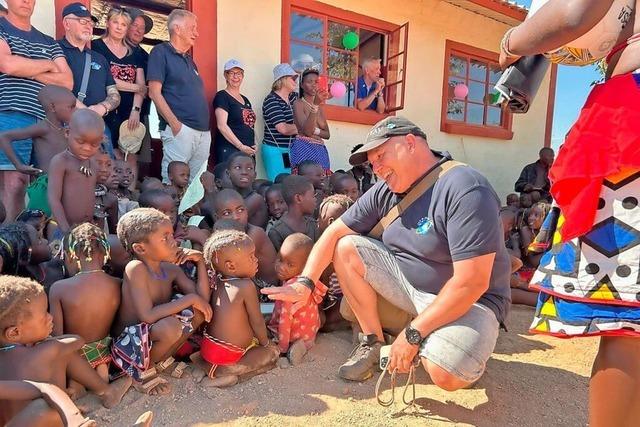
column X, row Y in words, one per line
column 100, row 94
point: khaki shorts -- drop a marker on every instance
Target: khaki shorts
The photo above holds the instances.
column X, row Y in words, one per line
column 462, row 347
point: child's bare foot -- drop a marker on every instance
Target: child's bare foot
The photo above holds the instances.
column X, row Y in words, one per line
column 296, row 352
column 76, row 390
column 144, row 420
column 115, row 392
column 226, row 381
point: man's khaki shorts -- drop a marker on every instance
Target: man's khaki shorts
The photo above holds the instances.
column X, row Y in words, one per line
column 462, row 347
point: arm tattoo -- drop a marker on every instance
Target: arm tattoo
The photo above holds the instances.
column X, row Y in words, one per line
column 113, row 98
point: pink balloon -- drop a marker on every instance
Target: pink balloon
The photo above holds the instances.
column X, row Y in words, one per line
column 338, row 89
column 461, row 91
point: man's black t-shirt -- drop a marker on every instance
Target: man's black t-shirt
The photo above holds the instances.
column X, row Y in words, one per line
column 456, row 219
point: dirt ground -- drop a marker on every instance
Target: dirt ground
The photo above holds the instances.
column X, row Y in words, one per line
column 527, row 382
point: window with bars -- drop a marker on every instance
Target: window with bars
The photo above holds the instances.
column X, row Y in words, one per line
column 315, row 38
column 475, row 72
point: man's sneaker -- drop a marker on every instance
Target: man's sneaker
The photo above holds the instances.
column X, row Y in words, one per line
column 364, row 359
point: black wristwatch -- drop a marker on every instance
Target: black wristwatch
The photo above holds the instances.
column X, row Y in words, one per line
column 306, row 282
column 413, row 335
column 136, row 108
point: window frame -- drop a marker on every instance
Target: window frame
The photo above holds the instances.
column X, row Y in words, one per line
column 504, row 132
column 324, row 11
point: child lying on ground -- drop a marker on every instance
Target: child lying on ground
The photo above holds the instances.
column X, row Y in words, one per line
column 296, row 328
column 87, row 303
column 28, row 353
column 153, row 324
column 72, row 181
column 235, row 345
column 229, row 204
column 49, row 139
column 299, row 194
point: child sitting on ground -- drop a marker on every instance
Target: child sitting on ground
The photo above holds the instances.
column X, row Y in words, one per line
column 235, row 345
column 316, row 174
column 299, row 194
column 221, row 177
column 87, row 303
column 179, row 176
column 275, row 204
column 229, row 204
column 127, row 200
column 513, row 201
column 151, row 330
column 72, row 181
column 346, row 184
column 296, row 331
column 160, row 200
column 28, row 353
column 49, row 139
column 242, row 172
column 150, row 183
column 106, row 207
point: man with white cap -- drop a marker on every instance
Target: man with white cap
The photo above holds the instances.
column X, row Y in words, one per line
column 234, row 116
column 177, row 90
column 434, row 249
column 279, row 127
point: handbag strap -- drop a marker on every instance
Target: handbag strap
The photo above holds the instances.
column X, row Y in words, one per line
column 86, row 71
column 425, row 184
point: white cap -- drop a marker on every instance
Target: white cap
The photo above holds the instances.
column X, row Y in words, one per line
column 233, row 63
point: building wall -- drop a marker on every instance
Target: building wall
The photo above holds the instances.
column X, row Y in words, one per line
column 431, row 22
column 44, row 17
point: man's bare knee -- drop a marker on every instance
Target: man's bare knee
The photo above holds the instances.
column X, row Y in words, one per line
column 443, row 378
column 346, row 254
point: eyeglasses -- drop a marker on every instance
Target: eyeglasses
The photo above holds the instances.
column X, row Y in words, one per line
column 83, row 21
column 235, row 73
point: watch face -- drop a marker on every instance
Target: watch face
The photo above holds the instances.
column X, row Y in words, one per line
column 413, row 336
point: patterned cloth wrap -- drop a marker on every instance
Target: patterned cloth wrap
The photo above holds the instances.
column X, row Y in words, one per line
column 37, row 192
column 303, row 324
column 305, row 148
column 98, row 352
column 589, row 281
column 131, row 351
column 221, row 353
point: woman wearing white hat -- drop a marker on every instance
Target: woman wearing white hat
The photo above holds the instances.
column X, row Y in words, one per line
column 279, row 127
column 234, row 116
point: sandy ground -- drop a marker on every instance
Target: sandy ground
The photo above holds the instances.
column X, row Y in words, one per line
column 521, row 387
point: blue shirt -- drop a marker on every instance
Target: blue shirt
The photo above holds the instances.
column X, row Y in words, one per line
column 18, row 93
column 456, row 219
column 182, row 86
column 99, row 77
column 363, row 92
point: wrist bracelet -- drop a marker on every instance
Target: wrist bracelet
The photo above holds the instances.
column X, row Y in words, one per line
column 306, row 282
column 504, row 43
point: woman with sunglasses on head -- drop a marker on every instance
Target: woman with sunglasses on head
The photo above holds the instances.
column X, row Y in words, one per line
column 128, row 73
column 234, row 116
column 279, row 127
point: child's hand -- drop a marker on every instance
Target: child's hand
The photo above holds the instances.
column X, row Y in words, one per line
column 203, row 306
column 29, row 170
column 185, row 255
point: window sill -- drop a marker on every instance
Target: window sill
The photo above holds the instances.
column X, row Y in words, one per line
column 481, row 131
column 353, row 115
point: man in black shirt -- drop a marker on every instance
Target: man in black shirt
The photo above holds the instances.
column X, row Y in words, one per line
column 534, row 178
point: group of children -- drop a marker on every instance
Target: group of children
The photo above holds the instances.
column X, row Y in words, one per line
column 522, row 221
column 106, row 282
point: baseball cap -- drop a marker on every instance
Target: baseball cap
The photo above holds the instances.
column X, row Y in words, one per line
column 282, row 70
column 135, row 12
column 381, row 132
column 79, row 10
column 233, row 63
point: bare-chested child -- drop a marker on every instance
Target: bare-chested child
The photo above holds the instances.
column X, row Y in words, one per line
column 106, row 207
column 346, row 184
column 153, row 321
column 160, row 200
column 179, row 176
column 49, row 139
column 242, row 172
column 229, row 204
column 28, row 353
column 86, row 304
column 235, row 345
column 72, row 181
column 127, row 199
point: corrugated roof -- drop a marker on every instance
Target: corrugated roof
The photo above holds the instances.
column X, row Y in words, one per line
column 506, row 11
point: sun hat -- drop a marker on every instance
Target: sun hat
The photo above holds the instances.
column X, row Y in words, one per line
column 283, row 70
column 130, row 141
column 381, row 132
column 135, row 12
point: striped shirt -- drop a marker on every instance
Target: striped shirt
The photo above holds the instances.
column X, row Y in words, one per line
column 276, row 110
column 18, row 93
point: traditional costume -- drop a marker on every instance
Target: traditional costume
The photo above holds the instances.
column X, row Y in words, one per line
column 221, row 353
column 98, row 352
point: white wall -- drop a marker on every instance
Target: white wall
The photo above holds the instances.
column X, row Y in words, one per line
column 44, row 17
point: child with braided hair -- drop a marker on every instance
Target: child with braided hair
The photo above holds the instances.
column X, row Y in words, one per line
column 235, row 345
column 87, row 303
